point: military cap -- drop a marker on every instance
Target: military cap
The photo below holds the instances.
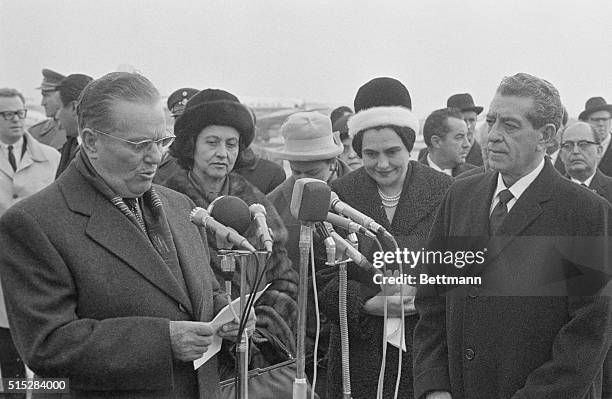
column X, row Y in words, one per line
column 178, row 100
column 51, row 80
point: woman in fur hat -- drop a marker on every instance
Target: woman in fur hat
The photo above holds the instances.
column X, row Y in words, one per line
column 402, row 196
column 210, row 136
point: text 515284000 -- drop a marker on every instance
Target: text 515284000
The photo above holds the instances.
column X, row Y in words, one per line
column 21, row 385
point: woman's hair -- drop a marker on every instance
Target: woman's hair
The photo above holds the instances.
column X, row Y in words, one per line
column 405, row 133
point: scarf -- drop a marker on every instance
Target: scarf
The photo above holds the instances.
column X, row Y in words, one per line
column 153, row 223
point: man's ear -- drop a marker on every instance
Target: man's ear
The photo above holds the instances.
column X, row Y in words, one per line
column 435, row 141
column 548, row 133
column 73, row 105
column 90, row 142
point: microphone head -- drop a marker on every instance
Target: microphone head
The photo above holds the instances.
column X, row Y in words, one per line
column 232, row 212
column 310, row 200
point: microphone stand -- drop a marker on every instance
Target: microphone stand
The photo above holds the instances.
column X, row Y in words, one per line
column 300, row 383
column 228, row 267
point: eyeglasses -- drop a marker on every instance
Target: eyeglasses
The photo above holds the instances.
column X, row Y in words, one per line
column 144, row 145
column 582, row 144
column 9, row 115
column 599, row 120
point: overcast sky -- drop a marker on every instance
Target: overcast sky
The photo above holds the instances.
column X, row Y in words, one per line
column 316, row 50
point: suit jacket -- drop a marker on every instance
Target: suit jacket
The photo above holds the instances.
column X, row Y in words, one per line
column 605, row 165
column 474, row 157
column 457, row 170
column 602, row 185
column 480, row 346
column 90, row 299
column 48, row 132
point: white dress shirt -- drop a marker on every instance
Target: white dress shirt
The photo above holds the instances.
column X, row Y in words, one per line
column 517, row 189
column 433, row 165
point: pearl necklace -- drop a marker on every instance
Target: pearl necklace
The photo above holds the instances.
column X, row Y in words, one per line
column 389, row 201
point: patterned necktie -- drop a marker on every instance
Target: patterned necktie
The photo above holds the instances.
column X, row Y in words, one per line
column 132, row 204
column 11, row 158
column 500, row 211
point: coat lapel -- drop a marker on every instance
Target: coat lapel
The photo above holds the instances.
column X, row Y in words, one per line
column 191, row 258
column 411, row 208
column 112, row 230
column 5, row 166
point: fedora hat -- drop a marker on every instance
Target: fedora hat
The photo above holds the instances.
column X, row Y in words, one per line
column 464, row 102
column 308, row 137
column 594, row 104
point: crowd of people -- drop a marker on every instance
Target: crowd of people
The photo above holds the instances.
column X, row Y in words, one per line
column 106, row 282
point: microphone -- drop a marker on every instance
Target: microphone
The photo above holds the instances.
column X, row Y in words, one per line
column 201, row 217
column 307, row 199
column 330, row 244
column 258, row 212
column 232, row 212
column 347, row 249
column 348, row 224
column 346, row 210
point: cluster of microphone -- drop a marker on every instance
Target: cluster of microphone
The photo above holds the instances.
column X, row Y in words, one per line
column 312, row 200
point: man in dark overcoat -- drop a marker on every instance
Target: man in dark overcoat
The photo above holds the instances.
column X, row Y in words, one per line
column 540, row 324
column 111, row 286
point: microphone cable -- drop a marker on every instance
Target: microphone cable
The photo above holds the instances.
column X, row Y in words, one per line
column 245, row 316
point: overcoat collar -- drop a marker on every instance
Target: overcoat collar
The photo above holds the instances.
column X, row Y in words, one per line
column 114, row 231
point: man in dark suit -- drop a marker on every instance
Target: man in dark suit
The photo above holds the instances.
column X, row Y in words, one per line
column 470, row 111
column 598, row 113
column 446, row 136
column 539, row 324
column 111, row 287
column 580, row 152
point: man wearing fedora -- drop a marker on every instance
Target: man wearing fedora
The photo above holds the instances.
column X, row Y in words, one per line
column 465, row 103
column 49, row 131
column 597, row 112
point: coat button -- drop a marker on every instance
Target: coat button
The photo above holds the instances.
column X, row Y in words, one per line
column 469, row 354
column 15, row 196
column 473, row 292
column 182, row 308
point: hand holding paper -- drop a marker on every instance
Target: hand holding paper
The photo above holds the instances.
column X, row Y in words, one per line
column 225, row 317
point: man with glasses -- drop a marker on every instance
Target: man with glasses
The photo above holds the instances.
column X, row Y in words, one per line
column 26, row 166
column 597, row 113
column 111, row 286
column 581, row 151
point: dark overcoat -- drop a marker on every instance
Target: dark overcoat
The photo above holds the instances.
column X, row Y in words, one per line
column 480, row 346
column 90, row 299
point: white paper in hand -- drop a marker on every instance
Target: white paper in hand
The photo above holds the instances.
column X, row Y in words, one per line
column 223, row 317
column 394, row 333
